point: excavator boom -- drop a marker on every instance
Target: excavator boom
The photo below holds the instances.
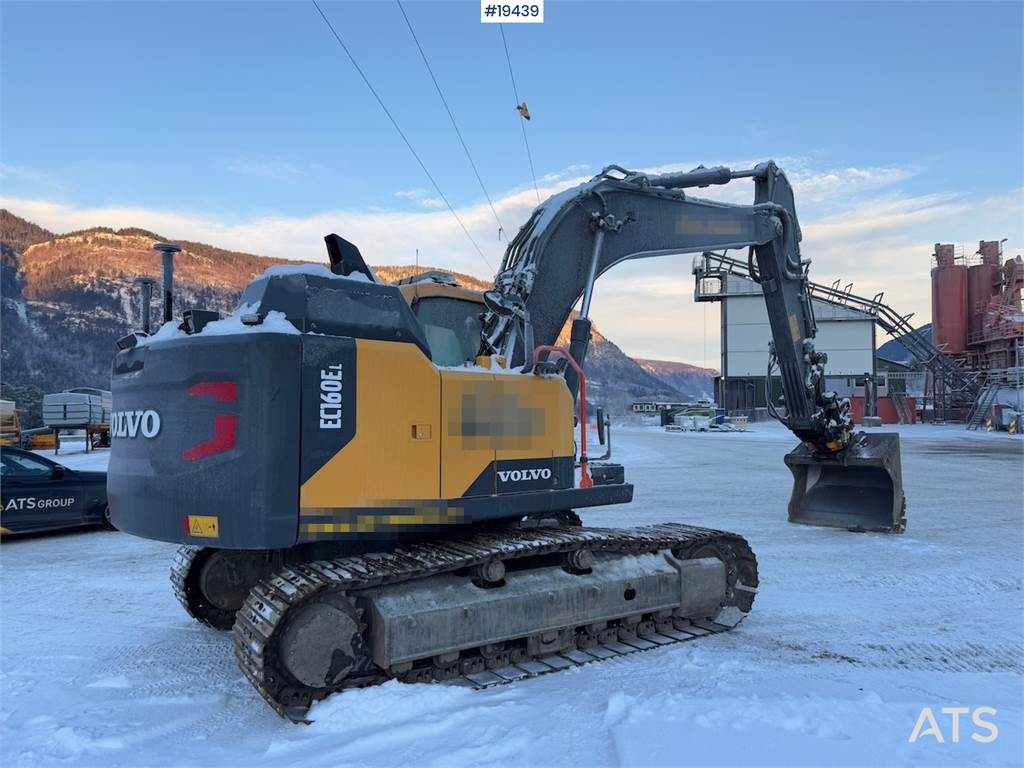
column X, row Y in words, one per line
column 842, row 479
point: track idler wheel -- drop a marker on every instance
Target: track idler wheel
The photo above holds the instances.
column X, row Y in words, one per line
column 324, row 643
column 741, row 577
column 213, row 583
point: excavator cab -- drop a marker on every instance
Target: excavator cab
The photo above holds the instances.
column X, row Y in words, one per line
column 859, row 489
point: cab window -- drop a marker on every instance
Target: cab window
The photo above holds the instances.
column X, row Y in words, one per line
column 17, row 465
column 452, row 327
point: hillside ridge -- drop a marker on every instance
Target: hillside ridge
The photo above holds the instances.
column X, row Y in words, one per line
column 68, row 297
column 674, row 366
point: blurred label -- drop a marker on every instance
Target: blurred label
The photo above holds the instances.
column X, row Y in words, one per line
column 512, row 13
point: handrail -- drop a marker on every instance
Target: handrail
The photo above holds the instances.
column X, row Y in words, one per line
column 585, row 480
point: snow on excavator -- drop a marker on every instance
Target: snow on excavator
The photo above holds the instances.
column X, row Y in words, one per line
column 380, row 481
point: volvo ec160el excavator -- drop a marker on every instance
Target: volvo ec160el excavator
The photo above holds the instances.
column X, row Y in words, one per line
column 380, row 481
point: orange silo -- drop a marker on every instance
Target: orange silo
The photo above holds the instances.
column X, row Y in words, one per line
column 949, row 301
column 983, row 282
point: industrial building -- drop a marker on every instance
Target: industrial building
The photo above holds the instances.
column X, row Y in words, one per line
column 976, row 305
column 968, row 366
column 846, row 334
column 977, row 322
column 847, row 331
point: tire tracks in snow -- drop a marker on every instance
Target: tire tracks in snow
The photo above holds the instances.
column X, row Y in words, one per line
column 958, row 583
column 911, row 656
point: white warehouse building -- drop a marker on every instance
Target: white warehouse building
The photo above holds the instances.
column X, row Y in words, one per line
column 848, row 336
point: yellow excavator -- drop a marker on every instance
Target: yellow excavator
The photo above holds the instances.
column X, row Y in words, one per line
column 377, row 481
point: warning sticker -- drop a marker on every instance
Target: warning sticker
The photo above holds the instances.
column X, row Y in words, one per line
column 203, row 525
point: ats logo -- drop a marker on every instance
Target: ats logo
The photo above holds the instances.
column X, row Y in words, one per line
column 33, row 503
column 985, row 731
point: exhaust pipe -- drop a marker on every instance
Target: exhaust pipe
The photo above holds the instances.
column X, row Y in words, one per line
column 860, row 489
column 146, row 287
column 167, row 250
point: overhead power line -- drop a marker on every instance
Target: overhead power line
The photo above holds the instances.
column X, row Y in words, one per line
column 523, row 118
column 401, row 133
column 450, row 116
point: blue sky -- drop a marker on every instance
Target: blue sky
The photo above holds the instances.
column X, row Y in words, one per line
column 244, row 124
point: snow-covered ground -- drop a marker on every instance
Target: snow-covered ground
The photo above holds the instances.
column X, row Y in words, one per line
column 73, row 455
column 851, row 636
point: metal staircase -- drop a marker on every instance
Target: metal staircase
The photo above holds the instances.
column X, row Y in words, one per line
column 899, row 404
column 979, row 411
column 958, row 384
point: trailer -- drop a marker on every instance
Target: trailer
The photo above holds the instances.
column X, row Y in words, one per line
column 81, row 408
column 10, row 426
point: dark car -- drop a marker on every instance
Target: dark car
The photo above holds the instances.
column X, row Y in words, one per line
column 41, row 495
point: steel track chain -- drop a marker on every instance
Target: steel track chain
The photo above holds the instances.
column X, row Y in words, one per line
column 267, row 607
column 181, row 565
column 188, row 594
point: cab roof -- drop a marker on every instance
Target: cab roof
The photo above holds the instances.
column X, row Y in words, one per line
column 429, row 288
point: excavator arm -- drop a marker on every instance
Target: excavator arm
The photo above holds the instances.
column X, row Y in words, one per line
column 577, row 235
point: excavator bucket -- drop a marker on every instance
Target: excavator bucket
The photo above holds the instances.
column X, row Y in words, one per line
column 860, row 489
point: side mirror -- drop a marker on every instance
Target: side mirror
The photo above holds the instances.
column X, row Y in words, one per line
column 57, row 473
column 600, row 425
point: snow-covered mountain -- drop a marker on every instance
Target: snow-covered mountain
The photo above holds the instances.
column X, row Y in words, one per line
column 690, row 380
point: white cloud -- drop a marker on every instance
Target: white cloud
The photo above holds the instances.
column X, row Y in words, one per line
column 24, row 175
column 858, row 225
column 421, row 197
column 818, row 187
column 266, row 169
column 570, row 171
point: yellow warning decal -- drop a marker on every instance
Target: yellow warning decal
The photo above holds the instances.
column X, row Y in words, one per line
column 203, row 525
